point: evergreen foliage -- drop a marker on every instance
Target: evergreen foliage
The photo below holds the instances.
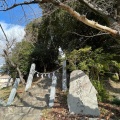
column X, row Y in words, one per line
column 116, row 101
column 95, row 63
column 98, row 64
column 102, row 95
column 21, row 56
column 99, row 59
column 60, row 29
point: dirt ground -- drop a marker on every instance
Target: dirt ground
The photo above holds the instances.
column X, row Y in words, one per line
column 60, row 110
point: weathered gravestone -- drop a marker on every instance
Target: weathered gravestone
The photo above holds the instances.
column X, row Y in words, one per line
column 82, row 95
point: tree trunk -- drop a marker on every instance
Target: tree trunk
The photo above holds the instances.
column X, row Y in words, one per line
column 20, row 75
column 10, row 62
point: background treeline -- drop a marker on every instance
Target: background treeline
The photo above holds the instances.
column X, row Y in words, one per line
column 86, row 48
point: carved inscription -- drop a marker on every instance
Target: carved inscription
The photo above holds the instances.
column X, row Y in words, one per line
column 82, row 95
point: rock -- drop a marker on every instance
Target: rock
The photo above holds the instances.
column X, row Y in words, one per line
column 82, row 95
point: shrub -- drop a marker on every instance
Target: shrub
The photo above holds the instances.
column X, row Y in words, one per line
column 102, row 95
column 116, row 101
column 96, row 63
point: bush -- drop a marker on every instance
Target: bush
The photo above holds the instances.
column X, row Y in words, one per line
column 115, row 77
column 102, row 95
column 94, row 62
column 116, row 101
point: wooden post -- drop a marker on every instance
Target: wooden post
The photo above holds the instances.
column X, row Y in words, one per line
column 30, row 77
column 13, row 91
column 52, row 91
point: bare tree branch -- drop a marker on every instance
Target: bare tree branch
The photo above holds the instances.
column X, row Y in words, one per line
column 24, row 12
column 82, row 18
column 91, row 4
column 32, row 10
column 7, row 58
column 4, row 33
column 88, row 22
column 89, row 36
column 19, row 4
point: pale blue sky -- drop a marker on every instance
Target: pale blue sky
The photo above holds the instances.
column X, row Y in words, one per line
column 21, row 15
column 14, row 22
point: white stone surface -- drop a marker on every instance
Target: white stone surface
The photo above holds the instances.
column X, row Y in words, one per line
column 30, row 77
column 52, row 91
column 82, row 95
column 64, row 76
column 13, row 91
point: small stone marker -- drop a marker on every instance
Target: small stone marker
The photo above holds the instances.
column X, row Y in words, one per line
column 13, row 91
column 82, row 95
column 30, row 77
column 52, row 91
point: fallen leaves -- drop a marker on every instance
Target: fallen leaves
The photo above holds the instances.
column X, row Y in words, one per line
column 60, row 110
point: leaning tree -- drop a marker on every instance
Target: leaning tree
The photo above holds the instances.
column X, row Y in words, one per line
column 109, row 10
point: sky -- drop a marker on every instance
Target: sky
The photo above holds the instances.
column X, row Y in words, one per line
column 14, row 22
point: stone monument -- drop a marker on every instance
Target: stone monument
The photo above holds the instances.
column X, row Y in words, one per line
column 52, row 91
column 13, row 91
column 82, row 95
column 30, row 77
column 64, row 77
